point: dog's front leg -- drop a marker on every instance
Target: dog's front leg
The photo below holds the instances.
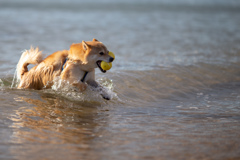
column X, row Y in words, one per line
column 81, row 86
column 102, row 90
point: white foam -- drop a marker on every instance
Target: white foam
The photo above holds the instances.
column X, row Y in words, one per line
column 15, row 80
column 63, row 88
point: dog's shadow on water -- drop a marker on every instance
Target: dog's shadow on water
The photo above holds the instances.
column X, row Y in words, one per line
column 55, row 120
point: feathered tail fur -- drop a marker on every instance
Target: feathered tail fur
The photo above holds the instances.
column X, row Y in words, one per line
column 31, row 56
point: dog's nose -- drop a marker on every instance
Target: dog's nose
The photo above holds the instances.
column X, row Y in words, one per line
column 111, row 59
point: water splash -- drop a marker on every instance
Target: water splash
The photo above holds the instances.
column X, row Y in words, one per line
column 15, row 80
column 1, row 83
column 63, row 88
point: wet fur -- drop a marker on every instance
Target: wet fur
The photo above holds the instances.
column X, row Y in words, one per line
column 81, row 58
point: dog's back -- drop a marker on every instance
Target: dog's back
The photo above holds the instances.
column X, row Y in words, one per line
column 45, row 70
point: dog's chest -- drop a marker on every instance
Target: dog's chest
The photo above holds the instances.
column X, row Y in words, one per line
column 74, row 71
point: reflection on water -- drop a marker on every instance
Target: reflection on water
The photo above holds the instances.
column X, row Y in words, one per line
column 55, row 121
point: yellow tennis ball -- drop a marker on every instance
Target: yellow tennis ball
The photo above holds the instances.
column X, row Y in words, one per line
column 111, row 54
column 106, row 66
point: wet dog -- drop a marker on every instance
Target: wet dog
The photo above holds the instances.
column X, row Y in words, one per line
column 76, row 66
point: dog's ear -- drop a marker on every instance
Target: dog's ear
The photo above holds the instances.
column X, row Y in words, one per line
column 95, row 40
column 85, row 46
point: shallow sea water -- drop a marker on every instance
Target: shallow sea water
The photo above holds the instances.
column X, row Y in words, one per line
column 175, row 83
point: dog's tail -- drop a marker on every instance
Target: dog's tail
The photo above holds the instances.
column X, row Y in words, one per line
column 31, row 56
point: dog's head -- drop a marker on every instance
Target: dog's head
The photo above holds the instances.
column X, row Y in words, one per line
column 91, row 54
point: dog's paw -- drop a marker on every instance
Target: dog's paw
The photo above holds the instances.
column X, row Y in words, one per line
column 106, row 97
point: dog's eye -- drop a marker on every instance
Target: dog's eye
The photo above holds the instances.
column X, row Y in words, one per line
column 101, row 53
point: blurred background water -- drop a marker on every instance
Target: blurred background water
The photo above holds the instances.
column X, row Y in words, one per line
column 175, row 83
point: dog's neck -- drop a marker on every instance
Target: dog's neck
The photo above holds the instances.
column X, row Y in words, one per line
column 85, row 68
column 82, row 65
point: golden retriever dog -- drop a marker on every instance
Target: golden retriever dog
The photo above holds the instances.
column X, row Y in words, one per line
column 76, row 66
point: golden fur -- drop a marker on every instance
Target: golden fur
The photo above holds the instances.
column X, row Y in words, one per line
column 70, row 65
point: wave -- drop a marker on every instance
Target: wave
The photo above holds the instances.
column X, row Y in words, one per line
column 173, row 82
column 147, row 86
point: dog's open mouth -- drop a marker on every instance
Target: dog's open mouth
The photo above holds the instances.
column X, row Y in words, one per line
column 99, row 66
